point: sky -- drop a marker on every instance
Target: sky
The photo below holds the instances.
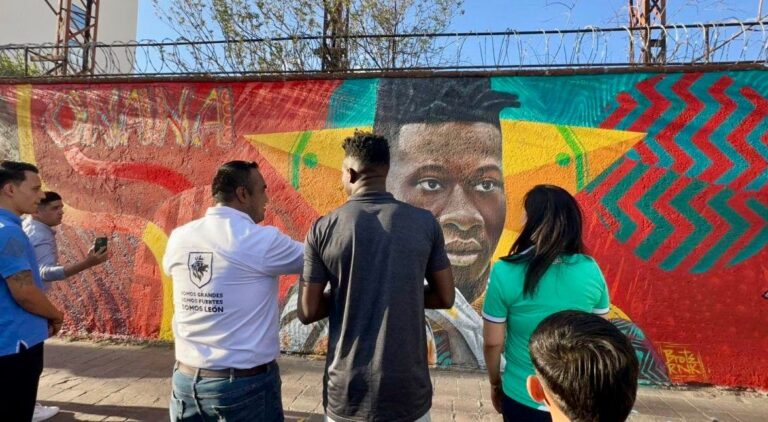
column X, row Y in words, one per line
column 499, row 15
column 521, row 15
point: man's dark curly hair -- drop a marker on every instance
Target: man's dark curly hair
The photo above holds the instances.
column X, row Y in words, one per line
column 369, row 149
column 402, row 101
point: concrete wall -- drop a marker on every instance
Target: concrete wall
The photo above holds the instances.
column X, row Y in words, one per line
column 671, row 171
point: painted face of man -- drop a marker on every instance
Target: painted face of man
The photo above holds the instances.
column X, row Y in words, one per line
column 453, row 169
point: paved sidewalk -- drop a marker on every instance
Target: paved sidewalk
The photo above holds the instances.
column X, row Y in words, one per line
column 95, row 382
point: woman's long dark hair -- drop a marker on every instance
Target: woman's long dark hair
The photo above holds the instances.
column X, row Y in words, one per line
column 553, row 228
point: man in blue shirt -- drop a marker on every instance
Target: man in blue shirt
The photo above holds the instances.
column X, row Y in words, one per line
column 27, row 317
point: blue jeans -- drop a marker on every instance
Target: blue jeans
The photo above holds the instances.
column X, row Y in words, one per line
column 200, row 399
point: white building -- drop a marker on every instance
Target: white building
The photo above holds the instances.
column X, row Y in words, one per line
column 33, row 22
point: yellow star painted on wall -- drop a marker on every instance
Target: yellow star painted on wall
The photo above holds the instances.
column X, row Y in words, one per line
column 532, row 153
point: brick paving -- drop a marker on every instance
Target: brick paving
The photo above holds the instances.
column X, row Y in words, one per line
column 103, row 382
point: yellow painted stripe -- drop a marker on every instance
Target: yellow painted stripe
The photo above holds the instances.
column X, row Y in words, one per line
column 616, row 313
column 153, row 236
column 24, row 123
column 156, row 240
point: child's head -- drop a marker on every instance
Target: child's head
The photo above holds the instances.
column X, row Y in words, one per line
column 585, row 367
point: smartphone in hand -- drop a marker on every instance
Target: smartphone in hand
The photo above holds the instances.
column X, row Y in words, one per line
column 99, row 244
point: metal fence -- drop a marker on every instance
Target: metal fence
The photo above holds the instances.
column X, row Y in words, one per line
column 722, row 43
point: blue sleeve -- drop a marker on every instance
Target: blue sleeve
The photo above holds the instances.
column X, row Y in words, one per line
column 47, row 257
column 13, row 252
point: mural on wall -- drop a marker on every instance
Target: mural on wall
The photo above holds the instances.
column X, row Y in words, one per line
column 671, row 170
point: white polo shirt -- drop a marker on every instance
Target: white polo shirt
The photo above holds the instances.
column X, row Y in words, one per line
column 224, row 269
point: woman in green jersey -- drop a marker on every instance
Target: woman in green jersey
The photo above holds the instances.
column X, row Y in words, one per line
column 545, row 272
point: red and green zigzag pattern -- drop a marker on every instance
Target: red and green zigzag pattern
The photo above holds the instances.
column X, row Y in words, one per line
column 692, row 196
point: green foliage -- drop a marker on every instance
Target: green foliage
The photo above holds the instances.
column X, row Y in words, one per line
column 13, row 67
column 238, row 20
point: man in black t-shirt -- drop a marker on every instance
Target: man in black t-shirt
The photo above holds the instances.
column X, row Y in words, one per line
column 375, row 252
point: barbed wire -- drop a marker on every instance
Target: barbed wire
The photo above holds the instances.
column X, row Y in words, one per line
column 689, row 44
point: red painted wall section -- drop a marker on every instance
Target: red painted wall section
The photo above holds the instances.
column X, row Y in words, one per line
column 671, row 170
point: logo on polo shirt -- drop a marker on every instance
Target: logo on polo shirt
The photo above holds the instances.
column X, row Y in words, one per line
column 200, row 268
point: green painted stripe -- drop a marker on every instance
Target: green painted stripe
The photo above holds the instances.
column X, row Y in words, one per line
column 662, row 227
column 700, row 89
column 738, row 227
column 754, row 140
column 582, row 167
column 611, row 202
column 701, row 227
column 296, row 154
column 597, row 181
column 720, row 136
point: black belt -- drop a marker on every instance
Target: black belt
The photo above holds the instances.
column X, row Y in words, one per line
column 223, row 373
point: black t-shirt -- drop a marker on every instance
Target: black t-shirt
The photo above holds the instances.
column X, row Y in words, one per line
column 375, row 251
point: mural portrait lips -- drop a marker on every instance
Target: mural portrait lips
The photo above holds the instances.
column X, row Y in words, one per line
column 463, row 253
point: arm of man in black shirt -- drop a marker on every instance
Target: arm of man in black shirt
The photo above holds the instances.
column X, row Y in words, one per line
column 314, row 302
column 439, row 293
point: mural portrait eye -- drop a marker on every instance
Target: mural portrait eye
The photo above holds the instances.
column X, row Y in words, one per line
column 430, row 185
column 487, row 186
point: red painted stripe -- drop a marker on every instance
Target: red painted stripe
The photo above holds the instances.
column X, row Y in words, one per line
column 150, row 173
column 602, row 189
column 106, row 223
column 628, row 202
column 626, row 105
column 682, row 227
column 739, row 203
column 659, row 104
column 646, row 155
column 738, row 138
column 693, row 106
column 720, row 161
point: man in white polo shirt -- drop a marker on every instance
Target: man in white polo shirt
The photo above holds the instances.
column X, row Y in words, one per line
column 224, row 268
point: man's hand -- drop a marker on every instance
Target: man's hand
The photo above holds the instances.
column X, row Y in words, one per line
column 54, row 326
column 93, row 258
column 496, row 393
column 96, row 257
